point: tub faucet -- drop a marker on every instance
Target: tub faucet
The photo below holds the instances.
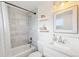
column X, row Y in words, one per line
column 30, row 41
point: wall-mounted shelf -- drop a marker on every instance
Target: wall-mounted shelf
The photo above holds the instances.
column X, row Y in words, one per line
column 44, row 31
column 43, row 28
column 44, row 19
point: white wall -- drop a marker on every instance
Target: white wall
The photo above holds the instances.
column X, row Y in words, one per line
column 45, row 9
column 33, row 26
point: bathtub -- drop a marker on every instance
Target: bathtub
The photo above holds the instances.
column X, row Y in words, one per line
column 22, row 51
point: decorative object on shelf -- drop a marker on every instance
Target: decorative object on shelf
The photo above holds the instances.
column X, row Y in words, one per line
column 43, row 29
column 43, row 18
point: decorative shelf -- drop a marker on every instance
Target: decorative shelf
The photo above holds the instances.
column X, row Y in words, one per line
column 43, row 19
column 44, row 31
column 43, row 28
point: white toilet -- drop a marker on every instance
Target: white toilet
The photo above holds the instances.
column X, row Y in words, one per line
column 38, row 53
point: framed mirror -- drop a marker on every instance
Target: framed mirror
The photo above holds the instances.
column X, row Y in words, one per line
column 66, row 20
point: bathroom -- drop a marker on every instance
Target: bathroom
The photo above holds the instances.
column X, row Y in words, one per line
column 28, row 29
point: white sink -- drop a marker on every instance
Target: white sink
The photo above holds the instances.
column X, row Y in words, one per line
column 61, row 46
column 64, row 48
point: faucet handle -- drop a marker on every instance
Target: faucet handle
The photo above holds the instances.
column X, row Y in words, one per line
column 54, row 37
column 60, row 39
column 63, row 41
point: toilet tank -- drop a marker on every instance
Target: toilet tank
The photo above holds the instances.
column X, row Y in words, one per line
column 40, row 46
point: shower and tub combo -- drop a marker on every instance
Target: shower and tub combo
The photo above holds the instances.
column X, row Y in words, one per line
column 15, row 28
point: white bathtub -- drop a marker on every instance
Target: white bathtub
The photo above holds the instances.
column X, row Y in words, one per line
column 22, row 51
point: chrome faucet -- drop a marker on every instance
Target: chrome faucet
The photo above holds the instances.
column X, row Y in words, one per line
column 54, row 37
column 30, row 41
column 61, row 40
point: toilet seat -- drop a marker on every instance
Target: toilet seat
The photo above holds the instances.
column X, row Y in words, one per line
column 36, row 54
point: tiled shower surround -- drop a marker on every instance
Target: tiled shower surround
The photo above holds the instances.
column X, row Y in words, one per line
column 18, row 24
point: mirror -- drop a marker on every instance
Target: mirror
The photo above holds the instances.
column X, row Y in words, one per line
column 66, row 20
column 63, row 21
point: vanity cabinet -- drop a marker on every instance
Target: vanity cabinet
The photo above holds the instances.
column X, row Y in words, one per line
column 48, row 52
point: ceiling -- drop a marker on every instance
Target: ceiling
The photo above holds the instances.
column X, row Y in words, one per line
column 30, row 5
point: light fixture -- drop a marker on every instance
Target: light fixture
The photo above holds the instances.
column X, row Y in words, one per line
column 62, row 4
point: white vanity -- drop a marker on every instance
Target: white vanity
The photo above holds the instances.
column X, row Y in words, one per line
column 68, row 48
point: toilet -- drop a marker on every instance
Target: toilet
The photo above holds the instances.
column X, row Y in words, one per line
column 38, row 53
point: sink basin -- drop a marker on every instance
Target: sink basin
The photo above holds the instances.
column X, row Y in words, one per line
column 61, row 46
column 64, row 48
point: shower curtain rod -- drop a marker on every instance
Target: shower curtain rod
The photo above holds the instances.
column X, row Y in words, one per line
column 20, row 8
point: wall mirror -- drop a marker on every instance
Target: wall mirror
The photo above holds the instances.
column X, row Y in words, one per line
column 66, row 20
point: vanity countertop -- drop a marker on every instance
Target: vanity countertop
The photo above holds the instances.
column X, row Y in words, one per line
column 65, row 49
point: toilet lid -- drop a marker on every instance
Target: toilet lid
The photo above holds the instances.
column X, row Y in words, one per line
column 36, row 54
